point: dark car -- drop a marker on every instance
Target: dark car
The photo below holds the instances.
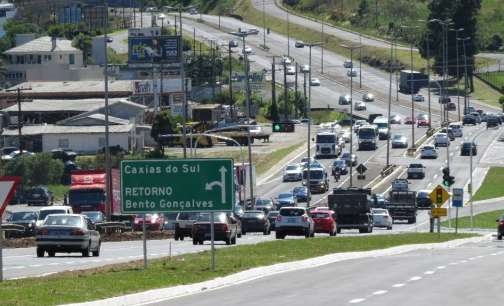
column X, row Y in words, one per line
column 264, row 204
column 466, row 147
column 63, row 154
column 492, row 121
column 286, row 199
column 423, row 199
column 39, row 195
column 379, row 201
column 184, row 223
column 225, row 228
column 24, row 218
column 97, row 217
column 69, row 166
column 301, row 193
column 255, row 221
column 341, row 165
column 351, row 160
column 272, row 215
column 469, row 119
column 500, row 227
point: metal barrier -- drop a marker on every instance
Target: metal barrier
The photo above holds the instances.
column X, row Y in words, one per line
column 112, row 227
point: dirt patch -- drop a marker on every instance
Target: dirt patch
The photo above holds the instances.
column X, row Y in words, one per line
column 126, row 236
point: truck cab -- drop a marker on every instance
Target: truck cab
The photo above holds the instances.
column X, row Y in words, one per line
column 319, row 182
column 327, row 144
column 368, row 135
column 383, row 127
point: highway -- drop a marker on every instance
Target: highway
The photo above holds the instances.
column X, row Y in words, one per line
column 464, row 275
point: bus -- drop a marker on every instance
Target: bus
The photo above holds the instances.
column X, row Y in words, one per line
column 368, row 135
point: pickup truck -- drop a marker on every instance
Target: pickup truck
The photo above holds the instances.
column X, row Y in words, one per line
column 416, row 171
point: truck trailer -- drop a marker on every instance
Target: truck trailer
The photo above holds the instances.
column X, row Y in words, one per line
column 352, row 207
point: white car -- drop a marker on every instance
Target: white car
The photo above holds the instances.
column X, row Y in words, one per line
column 381, row 218
column 418, row 98
column 293, row 173
column 290, row 70
column 248, row 50
column 351, row 73
column 360, row 106
column 441, row 140
column 15, row 154
column 314, row 82
column 428, row 151
column 299, row 44
column 294, row 221
column 305, row 68
column 286, row 60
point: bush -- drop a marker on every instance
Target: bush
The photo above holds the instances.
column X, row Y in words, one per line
column 39, row 169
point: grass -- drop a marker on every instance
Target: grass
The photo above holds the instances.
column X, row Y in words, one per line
column 483, row 220
column 491, row 187
column 482, row 92
column 325, row 116
column 114, row 280
column 494, row 78
column 59, row 191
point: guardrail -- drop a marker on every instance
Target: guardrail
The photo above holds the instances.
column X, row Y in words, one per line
column 112, row 227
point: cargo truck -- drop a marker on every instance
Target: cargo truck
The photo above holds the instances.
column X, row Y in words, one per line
column 352, row 207
column 402, row 202
column 411, row 81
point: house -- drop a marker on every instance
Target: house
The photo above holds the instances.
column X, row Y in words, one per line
column 32, row 60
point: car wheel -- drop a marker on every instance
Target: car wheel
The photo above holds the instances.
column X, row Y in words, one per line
column 85, row 253
column 244, row 232
column 96, row 252
column 279, row 235
column 200, row 241
column 499, row 237
column 51, row 253
column 234, row 240
column 389, row 227
column 176, row 236
column 40, row 252
column 194, row 242
column 228, row 241
column 182, row 237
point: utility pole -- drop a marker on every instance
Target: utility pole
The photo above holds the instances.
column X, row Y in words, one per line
column 322, row 50
column 288, row 36
column 19, row 116
column 286, row 98
column 273, row 87
column 231, row 104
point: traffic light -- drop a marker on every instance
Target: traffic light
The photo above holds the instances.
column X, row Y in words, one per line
column 448, row 180
column 282, row 127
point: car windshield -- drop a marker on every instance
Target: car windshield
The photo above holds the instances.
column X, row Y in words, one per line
column 345, row 156
column 285, row 196
column 292, row 167
column 292, row 212
column 23, row 216
column 415, row 166
column 316, row 174
column 94, row 216
column 253, row 214
column 272, row 214
column 397, row 137
column 339, row 163
column 329, row 138
column 319, row 215
column 299, row 189
column 188, row 216
column 263, row 201
column 218, row 217
column 428, row 148
column 63, row 220
column 44, row 213
column 423, row 194
column 379, row 212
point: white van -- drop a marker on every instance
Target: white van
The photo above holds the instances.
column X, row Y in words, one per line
column 45, row 211
column 383, row 127
column 456, row 128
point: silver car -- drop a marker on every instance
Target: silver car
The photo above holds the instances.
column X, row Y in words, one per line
column 67, row 233
column 294, row 221
column 381, row 218
column 428, row 151
column 399, row 141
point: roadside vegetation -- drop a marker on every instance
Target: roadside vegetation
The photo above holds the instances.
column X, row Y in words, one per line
column 120, row 279
column 483, row 220
column 492, row 185
column 496, row 79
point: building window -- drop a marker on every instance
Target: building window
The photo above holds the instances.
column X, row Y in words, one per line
column 63, row 143
column 71, row 59
column 39, row 59
column 101, row 142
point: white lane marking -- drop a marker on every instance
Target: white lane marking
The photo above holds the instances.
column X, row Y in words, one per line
column 453, row 263
column 441, row 267
column 415, row 278
column 480, row 256
column 53, row 264
column 398, row 285
column 463, row 261
column 356, row 301
column 69, row 262
column 429, row 272
column 472, row 258
column 35, row 266
column 380, row 292
column 435, row 176
column 493, row 254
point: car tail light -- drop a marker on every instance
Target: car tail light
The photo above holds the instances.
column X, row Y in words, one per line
column 279, row 218
column 501, row 222
column 42, row 231
column 77, row 232
column 305, row 219
column 222, row 227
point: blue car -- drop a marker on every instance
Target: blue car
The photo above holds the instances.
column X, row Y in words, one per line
column 301, row 193
column 286, row 199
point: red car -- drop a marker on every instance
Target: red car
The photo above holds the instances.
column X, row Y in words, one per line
column 423, row 120
column 324, row 221
column 153, row 222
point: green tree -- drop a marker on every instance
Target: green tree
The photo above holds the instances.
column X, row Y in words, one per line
column 83, row 42
column 501, row 101
column 363, row 9
column 38, row 169
column 460, row 14
column 164, row 123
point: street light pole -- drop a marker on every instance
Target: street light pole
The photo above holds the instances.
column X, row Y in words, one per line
column 390, row 96
column 264, row 23
column 288, row 36
column 458, row 74
column 466, row 102
column 108, row 170
column 412, row 88
column 322, row 50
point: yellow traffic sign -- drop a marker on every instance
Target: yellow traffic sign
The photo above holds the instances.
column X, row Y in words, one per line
column 439, row 212
column 439, row 196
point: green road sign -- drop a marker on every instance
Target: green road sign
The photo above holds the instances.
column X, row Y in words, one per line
column 177, row 185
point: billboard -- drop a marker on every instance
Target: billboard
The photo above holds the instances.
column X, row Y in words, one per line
column 166, row 49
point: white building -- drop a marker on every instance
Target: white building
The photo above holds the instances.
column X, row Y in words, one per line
column 33, row 60
column 7, row 11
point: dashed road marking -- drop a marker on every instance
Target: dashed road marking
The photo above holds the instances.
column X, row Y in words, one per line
column 398, row 285
column 380, row 292
column 441, row 267
column 356, row 301
column 429, row 272
column 415, row 278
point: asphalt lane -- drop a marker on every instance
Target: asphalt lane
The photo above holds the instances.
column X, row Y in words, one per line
column 462, row 275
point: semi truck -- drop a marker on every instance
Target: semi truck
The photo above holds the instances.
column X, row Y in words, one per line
column 319, row 182
column 352, row 207
column 88, row 189
column 411, row 81
column 242, row 182
column 402, row 202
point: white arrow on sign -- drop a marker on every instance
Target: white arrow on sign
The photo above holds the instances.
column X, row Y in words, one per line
column 221, row 184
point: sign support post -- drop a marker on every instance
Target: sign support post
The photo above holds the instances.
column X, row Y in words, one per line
column 144, row 234
column 212, row 239
column 8, row 186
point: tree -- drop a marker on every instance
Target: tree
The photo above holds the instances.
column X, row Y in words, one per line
column 363, row 9
column 501, row 102
column 83, row 42
column 460, row 14
column 164, row 123
column 39, row 169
